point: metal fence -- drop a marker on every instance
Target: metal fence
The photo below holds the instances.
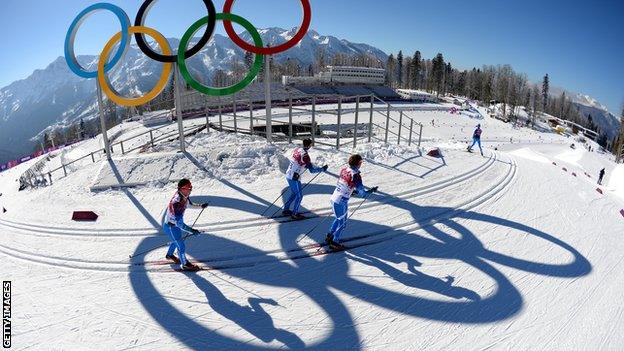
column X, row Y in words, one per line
column 354, row 119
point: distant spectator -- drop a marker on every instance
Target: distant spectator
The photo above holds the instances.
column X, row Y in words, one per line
column 600, row 176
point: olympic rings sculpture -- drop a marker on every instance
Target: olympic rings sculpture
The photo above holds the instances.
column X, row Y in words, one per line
column 108, row 60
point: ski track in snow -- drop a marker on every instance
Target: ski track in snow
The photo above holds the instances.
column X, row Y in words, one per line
column 307, row 250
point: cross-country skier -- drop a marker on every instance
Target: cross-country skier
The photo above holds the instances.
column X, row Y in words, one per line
column 299, row 162
column 476, row 139
column 350, row 180
column 600, row 176
column 174, row 224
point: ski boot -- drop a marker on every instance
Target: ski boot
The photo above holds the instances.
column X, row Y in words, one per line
column 286, row 213
column 173, row 259
column 188, row 266
column 297, row 216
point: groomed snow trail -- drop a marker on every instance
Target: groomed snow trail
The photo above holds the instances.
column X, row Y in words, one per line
column 505, row 251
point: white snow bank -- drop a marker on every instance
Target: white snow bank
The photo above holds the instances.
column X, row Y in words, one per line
column 616, row 181
column 573, row 156
column 530, row 155
column 212, row 156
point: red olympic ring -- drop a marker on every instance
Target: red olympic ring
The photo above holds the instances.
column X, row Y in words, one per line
column 305, row 25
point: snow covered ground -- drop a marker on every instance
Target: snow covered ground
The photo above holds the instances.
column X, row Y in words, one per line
column 513, row 250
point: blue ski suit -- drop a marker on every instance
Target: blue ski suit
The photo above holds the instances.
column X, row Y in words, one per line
column 350, row 180
column 174, row 224
column 299, row 162
column 476, row 139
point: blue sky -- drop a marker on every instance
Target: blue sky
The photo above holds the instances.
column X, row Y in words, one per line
column 579, row 44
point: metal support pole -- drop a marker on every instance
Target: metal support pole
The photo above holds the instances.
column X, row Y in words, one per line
column 420, row 136
column 50, row 176
column 178, row 106
column 251, row 127
column 220, row 115
column 152, row 138
column 107, row 147
column 313, row 117
column 290, row 122
column 370, row 122
column 400, row 125
column 64, row 169
column 207, row 119
column 387, row 124
column 267, row 91
column 92, row 158
column 234, row 112
column 355, row 128
column 409, row 142
column 339, row 123
column 122, row 149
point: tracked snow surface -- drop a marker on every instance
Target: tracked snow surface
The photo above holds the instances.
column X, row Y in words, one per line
column 516, row 249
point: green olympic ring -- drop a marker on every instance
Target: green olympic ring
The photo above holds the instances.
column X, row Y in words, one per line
column 253, row 72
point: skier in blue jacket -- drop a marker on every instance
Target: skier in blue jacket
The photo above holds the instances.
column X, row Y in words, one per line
column 298, row 164
column 349, row 181
column 174, row 224
column 476, row 139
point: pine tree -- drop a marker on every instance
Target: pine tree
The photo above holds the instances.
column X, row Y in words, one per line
column 438, row 72
column 320, row 59
column 590, row 122
column 448, row 78
column 249, row 59
column 545, row 87
column 400, row 69
column 390, row 71
column 416, row 70
column 82, row 129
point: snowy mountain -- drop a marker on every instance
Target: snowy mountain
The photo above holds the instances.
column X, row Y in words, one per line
column 606, row 121
column 55, row 96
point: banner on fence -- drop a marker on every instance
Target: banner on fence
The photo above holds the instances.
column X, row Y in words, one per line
column 11, row 164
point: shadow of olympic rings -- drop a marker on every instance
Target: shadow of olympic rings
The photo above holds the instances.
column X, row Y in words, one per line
column 315, row 278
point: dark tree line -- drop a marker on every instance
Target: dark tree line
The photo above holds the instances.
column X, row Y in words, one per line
column 487, row 84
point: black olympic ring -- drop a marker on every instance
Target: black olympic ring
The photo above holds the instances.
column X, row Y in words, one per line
column 147, row 50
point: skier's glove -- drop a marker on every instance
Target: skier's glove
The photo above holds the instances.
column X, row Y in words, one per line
column 372, row 190
column 325, row 168
column 195, row 231
column 204, row 205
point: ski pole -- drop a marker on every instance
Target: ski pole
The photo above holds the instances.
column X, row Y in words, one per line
column 280, row 195
column 169, row 243
column 306, row 184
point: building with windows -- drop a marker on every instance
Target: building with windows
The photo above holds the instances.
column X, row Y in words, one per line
column 416, row 95
column 341, row 75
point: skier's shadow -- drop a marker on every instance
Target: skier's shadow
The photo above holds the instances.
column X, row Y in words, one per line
column 253, row 318
column 415, row 278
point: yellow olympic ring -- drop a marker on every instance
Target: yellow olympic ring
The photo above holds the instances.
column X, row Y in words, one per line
column 160, row 85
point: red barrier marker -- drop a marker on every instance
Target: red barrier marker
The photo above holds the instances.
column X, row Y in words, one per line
column 564, row 169
column 599, row 190
column 574, row 174
column 555, row 163
column 622, row 212
column 84, row 216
